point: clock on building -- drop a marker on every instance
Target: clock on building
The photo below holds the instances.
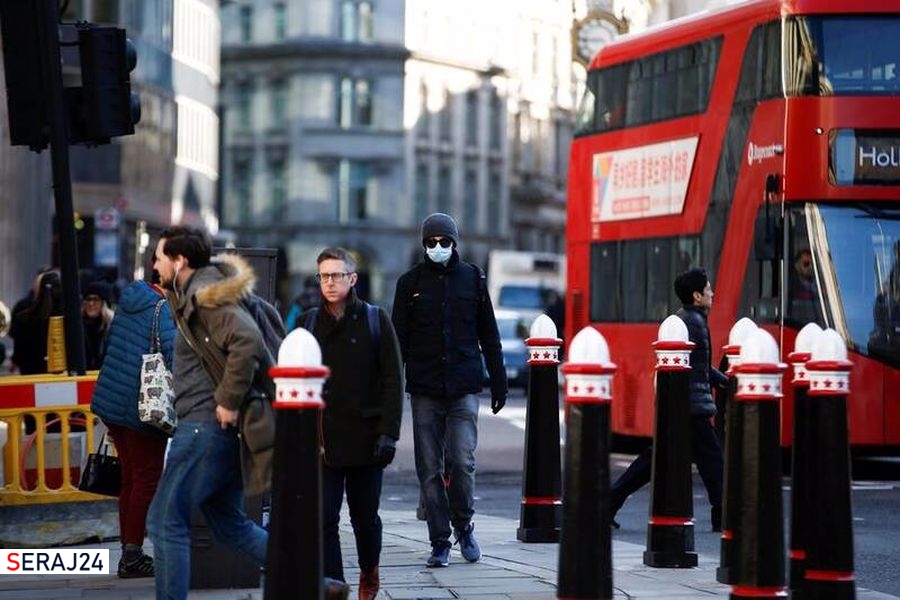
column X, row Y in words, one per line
column 593, row 32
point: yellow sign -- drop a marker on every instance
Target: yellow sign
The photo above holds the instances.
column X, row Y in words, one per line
column 56, row 346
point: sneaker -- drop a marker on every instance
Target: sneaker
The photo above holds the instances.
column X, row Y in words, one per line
column 468, row 545
column 440, row 555
column 139, row 567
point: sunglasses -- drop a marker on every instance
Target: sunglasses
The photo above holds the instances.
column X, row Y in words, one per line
column 445, row 242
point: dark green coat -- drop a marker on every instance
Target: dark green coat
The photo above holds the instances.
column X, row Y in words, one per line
column 364, row 393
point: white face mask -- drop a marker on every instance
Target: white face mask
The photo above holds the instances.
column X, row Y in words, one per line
column 439, row 254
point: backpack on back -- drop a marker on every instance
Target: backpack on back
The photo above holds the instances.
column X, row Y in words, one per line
column 272, row 329
column 309, row 322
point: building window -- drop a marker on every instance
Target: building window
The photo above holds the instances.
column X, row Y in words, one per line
column 356, row 21
column 246, row 22
column 277, row 189
column 472, row 118
column 280, row 20
column 424, row 126
column 279, row 102
column 494, row 199
column 242, row 188
column 353, row 191
column 422, row 195
column 446, row 118
column 497, row 117
column 244, row 99
column 355, row 103
column 444, row 199
column 470, row 198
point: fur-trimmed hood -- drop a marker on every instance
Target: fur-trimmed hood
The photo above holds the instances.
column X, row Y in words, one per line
column 238, row 280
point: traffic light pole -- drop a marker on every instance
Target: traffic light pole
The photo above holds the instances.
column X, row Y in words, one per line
column 48, row 35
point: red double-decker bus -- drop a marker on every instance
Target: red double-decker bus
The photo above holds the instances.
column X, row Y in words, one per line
column 761, row 141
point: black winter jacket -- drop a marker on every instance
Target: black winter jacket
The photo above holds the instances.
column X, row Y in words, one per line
column 702, row 372
column 364, row 393
column 444, row 321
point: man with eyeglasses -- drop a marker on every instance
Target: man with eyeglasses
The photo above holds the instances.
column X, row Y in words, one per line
column 361, row 421
column 445, row 321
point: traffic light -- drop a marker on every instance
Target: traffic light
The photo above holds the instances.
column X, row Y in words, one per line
column 107, row 107
column 25, row 98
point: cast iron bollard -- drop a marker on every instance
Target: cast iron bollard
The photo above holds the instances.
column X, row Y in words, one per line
column 541, row 510
column 801, row 456
column 829, row 544
column 733, row 429
column 585, row 545
column 294, row 564
column 759, row 527
column 670, row 530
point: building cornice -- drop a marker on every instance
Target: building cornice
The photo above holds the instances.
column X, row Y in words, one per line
column 312, row 48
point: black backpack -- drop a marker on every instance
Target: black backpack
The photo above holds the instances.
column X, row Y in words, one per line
column 309, row 323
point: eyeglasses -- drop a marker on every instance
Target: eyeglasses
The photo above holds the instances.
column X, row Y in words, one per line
column 444, row 242
column 335, row 277
column 93, row 299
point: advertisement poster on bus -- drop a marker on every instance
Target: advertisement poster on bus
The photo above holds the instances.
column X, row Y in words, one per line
column 648, row 181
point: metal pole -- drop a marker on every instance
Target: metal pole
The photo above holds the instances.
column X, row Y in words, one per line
column 62, row 185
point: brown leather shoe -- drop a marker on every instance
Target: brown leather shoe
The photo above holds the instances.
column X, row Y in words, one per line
column 336, row 590
column 369, row 584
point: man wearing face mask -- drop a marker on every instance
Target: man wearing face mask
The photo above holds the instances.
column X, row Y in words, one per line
column 444, row 321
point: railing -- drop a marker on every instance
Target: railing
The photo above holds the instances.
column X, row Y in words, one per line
column 47, row 419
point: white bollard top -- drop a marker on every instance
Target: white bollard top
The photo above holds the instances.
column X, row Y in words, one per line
column 759, row 348
column 589, row 347
column 299, row 349
column 829, row 345
column 544, row 328
column 673, row 329
column 740, row 331
column 806, row 337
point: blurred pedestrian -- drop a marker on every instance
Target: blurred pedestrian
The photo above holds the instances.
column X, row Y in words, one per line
column 361, row 421
column 30, row 322
column 140, row 447
column 444, row 321
column 96, row 315
column 309, row 297
column 695, row 292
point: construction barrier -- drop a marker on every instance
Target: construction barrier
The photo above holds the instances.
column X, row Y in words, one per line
column 49, row 430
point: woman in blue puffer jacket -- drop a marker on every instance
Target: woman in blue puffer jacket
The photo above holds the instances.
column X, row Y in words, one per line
column 140, row 447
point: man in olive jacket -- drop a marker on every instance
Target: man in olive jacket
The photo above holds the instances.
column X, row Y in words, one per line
column 203, row 467
column 363, row 406
column 445, row 321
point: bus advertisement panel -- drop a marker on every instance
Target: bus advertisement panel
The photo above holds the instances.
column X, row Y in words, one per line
column 762, row 142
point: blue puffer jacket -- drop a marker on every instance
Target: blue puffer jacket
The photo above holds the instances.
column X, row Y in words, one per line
column 116, row 393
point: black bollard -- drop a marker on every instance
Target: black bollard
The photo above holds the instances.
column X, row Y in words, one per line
column 541, row 511
column 585, row 544
column 801, row 455
column 829, row 544
column 294, row 554
column 670, row 530
column 733, row 429
column 758, row 551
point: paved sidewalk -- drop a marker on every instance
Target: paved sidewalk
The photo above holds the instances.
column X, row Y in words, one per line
column 509, row 570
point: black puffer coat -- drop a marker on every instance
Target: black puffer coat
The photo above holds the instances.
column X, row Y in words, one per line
column 364, row 393
column 702, row 372
column 444, row 321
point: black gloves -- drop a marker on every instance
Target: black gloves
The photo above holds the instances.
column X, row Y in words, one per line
column 385, row 448
column 497, row 402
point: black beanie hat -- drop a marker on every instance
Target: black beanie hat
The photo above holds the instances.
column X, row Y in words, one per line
column 689, row 282
column 97, row 288
column 439, row 224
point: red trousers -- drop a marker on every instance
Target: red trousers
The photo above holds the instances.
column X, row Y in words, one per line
column 141, row 459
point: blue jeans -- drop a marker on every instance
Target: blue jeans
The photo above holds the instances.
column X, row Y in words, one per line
column 445, row 434
column 202, row 470
column 363, row 485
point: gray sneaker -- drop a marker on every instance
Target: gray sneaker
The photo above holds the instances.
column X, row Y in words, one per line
column 440, row 555
column 468, row 545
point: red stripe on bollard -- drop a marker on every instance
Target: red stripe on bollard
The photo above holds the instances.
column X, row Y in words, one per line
column 727, row 534
column 542, row 501
column 830, row 575
column 798, row 554
column 671, row 521
column 758, row 592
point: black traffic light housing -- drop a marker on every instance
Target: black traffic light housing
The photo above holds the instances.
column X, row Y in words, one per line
column 25, row 98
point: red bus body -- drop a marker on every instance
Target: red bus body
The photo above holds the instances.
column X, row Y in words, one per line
column 790, row 140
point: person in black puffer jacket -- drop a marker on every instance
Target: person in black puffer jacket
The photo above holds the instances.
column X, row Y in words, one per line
column 695, row 292
column 444, row 322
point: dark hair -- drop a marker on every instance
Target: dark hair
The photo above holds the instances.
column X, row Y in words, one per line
column 192, row 243
column 687, row 283
column 338, row 253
